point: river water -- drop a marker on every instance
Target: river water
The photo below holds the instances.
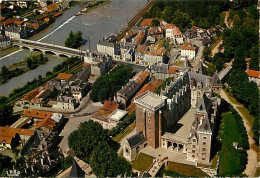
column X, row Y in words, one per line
column 96, row 24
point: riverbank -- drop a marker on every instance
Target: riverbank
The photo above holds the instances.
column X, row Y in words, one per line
column 93, row 5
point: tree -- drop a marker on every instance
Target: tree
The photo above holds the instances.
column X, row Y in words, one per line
column 83, row 140
column 254, row 55
column 240, row 55
column 74, row 40
column 5, row 73
column 6, row 112
column 206, row 53
column 105, row 163
column 155, row 22
column 67, row 162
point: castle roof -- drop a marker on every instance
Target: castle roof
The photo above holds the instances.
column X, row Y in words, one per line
column 136, row 139
column 205, row 126
column 215, row 80
column 204, row 104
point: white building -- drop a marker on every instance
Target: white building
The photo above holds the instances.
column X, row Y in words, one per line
column 14, row 32
column 5, row 42
column 109, row 46
column 66, row 103
column 155, row 54
column 173, row 33
column 189, row 52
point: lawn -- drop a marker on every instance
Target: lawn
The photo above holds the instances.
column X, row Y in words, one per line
column 213, row 163
column 229, row 157
column 247, row 115
column 185, row 170
column 142, row 162
column 122, row 135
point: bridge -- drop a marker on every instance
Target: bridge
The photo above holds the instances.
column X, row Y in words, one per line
column 48, row 48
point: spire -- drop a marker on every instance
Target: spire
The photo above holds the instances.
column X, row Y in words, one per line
column 76, row 171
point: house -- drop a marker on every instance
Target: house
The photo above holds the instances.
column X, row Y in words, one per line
column 109, row 46
column 133, row 145
column 200, row 31
column 63, row 77
column 206, row 41
column 140, row 53
column 15, row 32
column 156, row 30
column 154, row 54
column 108, row 119
column 128, row 38
column 128, row 55
column 188, row 51
column 66, row 103
column 142, row 77
column 173, row 33
column 254, row 76
column 110, row 106
column 146, row 23
column 11, row 137
column 47, row 124
column 140, row 38
column 212, row 32
column 5, row 42
column 163, row 71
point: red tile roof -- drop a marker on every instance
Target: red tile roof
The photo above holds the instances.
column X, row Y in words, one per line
column 253, row 73
column 110, row 106
column 188, row 47
column 146, row 23
column 8, row 21
column 63, row 76
column 53, row 7
column 47, row 122
column 18, row 22
column 176, row 31
column 2, row 18
column 140, row 38
column 141, row 48
column 172, row 69
column 36, row 26
column 156, row 50
column 36, row 113
column 7, row 133
column 169, row 25
column 32, row 94
column 141, row 77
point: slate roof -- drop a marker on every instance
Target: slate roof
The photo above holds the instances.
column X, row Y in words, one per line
column 76, row 171
column 136, row 139
column 160, row 68
column 205, row 41
column 200, row 67
column 204, row 104
column 199, row 78
column 205, row 126
column 215, row 80
column 129, row 89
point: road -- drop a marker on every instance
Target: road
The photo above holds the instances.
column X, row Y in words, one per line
column 252, row 154
column 136, row 67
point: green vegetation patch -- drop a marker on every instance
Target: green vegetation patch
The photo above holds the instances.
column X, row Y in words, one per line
column 142, row 162
column 247, row 115
column 185, row 170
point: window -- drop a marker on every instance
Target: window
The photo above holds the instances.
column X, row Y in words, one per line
column 126, row 150
column 137, row 148
column 193, row 151
column 204, row 143
column 203, row 159
column 193, row 156
column 193, row 146
column 194, row 140
column 145, row 145
column 150, row 138
column 203, row 153
column 149, row 114
column 205, row 138
column 203, row 149
column 149, row 120
column 150, row 129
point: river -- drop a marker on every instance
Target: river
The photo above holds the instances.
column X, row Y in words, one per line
column 96, row 24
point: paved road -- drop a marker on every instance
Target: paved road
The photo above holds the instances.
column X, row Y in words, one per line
column 136, row 67
column 252, row 154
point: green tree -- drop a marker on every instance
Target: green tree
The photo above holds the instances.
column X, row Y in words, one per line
column 74, row 40
column 6, row 112
column 254, row 55
column 67, row 162
column 105, row 162
column 5, row 73
column 83, row 140
column 155, row 22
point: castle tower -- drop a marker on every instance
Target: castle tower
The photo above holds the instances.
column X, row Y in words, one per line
column 149, row 108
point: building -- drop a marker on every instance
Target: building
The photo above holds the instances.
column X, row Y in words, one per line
column 108, row 119
column 139, row 54
column 12, row 137
column 254, row 76
column 146, row 23
column 188, row 51
column 173, row 33
column 155, row 54
column 109, row 46
column 66, row 103
column 129, row 37
column 177, row 119
column 163, row 71
column 15, row 32
column 5, row 42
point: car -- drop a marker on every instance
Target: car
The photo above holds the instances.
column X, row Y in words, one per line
column 25, row 107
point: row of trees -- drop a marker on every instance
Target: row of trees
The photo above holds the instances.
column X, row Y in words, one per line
column 7, row 74
column 90, row 142
column 241, row 42
column 232, row 161
column 74, row 40
column 6, row 111
column 106, row 86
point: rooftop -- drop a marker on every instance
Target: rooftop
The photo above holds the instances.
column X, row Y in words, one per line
column 110, row 106
column 141, row 76
column 47, row 122
column 118, row 114
column 146, row 22
column 36, row 113
column 253, row 73
column 63, row 76
column 7, row 131
column 150, row 100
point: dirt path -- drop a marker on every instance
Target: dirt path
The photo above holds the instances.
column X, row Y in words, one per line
column 215, row 49
column 226, row 19
column 252, row 154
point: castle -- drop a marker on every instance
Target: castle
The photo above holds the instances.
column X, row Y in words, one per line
column 181, row 118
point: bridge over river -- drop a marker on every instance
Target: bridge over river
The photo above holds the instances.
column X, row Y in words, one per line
column 48, row 48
